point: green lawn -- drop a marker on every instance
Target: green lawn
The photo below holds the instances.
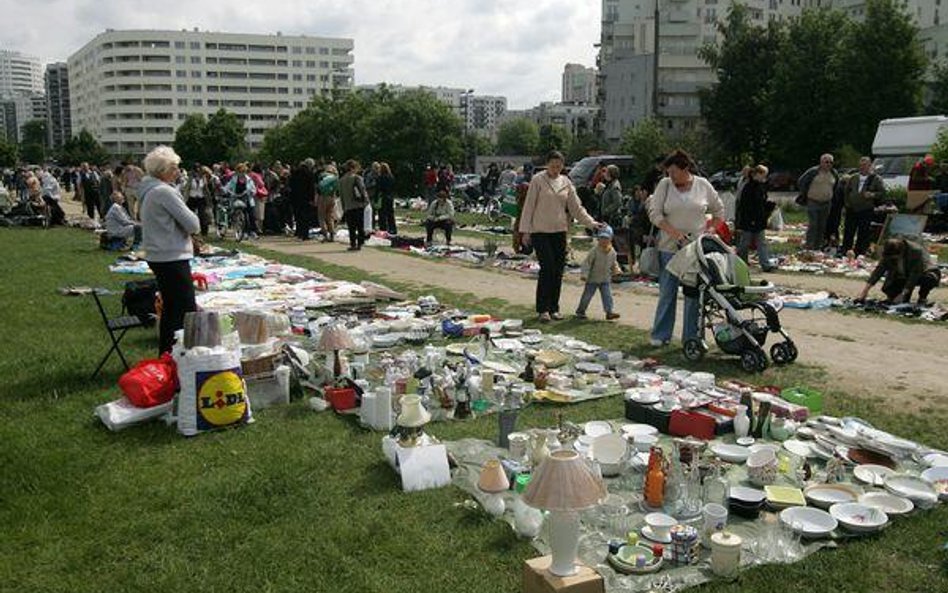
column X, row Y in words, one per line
column 298, row 501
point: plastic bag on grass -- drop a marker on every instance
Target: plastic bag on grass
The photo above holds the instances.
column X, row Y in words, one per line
column 213, row 392
column 121, row 413
column 150, row 382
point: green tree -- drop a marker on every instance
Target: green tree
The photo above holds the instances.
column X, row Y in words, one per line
column 33, row 145
column 644, row 141
column 940, row 147
column 518, row 137
column 938, row 89
column 583, row 145
column 883, row 73
column 807, row 115
column 83, row 148
column 224, row 138
column 553, row 137
column 8, row 153
column 736, row 107
column 189, row 139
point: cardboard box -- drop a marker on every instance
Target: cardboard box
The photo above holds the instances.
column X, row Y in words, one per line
column 538, row 579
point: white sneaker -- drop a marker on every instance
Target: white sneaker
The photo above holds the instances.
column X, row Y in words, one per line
column 656, row 343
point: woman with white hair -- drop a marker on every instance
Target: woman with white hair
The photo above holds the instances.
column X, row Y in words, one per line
column 167, row 226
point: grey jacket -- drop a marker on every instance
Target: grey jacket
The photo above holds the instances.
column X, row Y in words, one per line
column 352, row 192
column 167, row 223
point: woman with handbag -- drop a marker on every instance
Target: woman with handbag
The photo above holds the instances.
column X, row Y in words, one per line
column 679, row 209
column 548, row 209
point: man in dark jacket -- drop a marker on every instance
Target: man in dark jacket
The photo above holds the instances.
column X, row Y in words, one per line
column 864, row 191
column 816, row 189
column 905, row 264
column 303, row 197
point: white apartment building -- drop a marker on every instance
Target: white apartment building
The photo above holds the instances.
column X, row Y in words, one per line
column 579, row 85
column 131, row 89
column 58, row 118
column 576, row 119
column 20, row 74
column 447, row 95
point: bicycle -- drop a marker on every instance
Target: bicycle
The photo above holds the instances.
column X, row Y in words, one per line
column 231, row 213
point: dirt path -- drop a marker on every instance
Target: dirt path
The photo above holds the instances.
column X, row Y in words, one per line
column 908, row 363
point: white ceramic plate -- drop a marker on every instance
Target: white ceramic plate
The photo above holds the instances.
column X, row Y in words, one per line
column 858, row 517
column 871, row 473
column 745, row 494
column 914, row 488
column 531, row 338
column 499, row 367
column 385, row 340
column 589, row 367
column 938, row 476
column 809, row 521
column 805, row 432
column 633, row 430
column 826, row 495
column 845, row 435
column 643, row 395
column 647, row 532
column 936, row 459
column 730, row 453
column 763, row 446
column 890, row 504
column 800, row 448
column 821, row 451
column 595, row 428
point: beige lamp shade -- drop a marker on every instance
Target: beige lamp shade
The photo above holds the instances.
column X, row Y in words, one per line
column 493, row 478
column 335, row 337
column 413, row 413
column 564, row 482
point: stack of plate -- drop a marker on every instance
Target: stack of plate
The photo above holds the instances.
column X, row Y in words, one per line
column 745, row 502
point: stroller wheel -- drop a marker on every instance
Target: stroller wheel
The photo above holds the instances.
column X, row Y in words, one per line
column 753, row 361
column 694, row 349
column 783, row 352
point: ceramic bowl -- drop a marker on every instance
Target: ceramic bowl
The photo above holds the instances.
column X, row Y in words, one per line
column 660, row 524
column 921, row 492
column 858, row 518
column 889, row 504
column 826, row 495
column 938, row 476
column 730, row 453
column 746, row 495
column 644, row 442
column 595, row 428
column 762, row 467
column 871, row 474
column 633, row 430
column 609, row 450
column 808, row 521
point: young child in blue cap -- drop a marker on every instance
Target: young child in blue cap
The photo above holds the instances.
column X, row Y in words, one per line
column 597, row 269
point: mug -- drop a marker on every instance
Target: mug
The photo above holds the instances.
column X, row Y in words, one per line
column 517, row 445
column 715, row 519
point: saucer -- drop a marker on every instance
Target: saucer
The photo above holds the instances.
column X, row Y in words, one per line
column 647, row 532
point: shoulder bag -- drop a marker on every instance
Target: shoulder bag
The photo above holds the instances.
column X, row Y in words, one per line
column 649, row 263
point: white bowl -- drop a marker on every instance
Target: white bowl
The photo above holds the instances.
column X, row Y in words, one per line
column 809, row 521
column 938, row 476
column 872, row 474
column 890, row 504
column 859, row 517
column 826, row 495
column 745, row 494
column 919, row 491
column 633, row 430
column 609, row 450
column 595, row 428
column 730, row 453
column 936, row 459
column 645, row 442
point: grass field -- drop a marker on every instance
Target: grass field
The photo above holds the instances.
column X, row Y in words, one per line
column 298, row 501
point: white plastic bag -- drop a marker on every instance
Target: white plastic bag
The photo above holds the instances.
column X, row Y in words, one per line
column 122, row 413
column 367, row 219
column 775, row 222
column 213, row 392
column 337, row 211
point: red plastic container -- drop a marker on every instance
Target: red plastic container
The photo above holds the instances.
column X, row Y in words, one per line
column 341, row 398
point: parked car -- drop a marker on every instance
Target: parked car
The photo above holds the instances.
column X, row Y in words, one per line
column 782, row 180
column 725, row 179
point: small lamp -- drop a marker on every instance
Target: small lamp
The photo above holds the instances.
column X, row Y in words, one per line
column 414, row 414
column 335, row 338
column 563, row 485
column 493, row 481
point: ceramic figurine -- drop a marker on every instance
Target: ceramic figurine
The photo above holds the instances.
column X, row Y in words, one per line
column 741, row 422
column 539, row 450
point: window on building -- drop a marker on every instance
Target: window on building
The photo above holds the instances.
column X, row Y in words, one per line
column 181, row 73
column 196, row 88
column 195, row 45
column 195, row 74
column 179, row 45
column 196, row 103
column 182, row 102
column 324, row 51
column 155, row 44
column 195, row 59
column 310, row 50
column 179, row 59
column 324, row 64
column 210, row 46
column 297, row 49
column 182, row 88
column 297, row 63
column 297, row 91
column 298, row 104
column 297, row 77
column 311, row 77
column 310, row 63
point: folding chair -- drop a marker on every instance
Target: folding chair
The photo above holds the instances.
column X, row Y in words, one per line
column 116, row 326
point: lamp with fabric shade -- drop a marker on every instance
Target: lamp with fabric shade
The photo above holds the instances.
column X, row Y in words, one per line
column 563, row 485
column 335, row 338
column 493, row 481
column 414, row 414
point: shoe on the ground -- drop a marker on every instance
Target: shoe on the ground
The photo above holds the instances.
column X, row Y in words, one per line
column 656, row 343
column 352, row 248
column 544, row 318
column 611, row 316
column 578, row 315
column 556, row 316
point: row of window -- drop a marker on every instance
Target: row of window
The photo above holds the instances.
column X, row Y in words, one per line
column 196, row 45
column 222, row 73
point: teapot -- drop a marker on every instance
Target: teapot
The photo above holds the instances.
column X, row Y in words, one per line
column 539, row 450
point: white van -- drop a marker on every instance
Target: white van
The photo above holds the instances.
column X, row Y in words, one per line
column 901, row 142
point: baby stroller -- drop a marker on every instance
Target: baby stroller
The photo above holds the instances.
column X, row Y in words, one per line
column 729, row 305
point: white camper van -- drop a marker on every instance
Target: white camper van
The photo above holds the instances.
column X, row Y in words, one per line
column 901, row 142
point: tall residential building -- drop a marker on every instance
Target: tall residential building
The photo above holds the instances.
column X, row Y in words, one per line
column 131, row 89
column 58, row 118
column 577, row 119
column 8, row 120
column 20, row 74
column 579, row 85
column 926, row 13
column 483, row 114
column 684, row 26
column 23, row 108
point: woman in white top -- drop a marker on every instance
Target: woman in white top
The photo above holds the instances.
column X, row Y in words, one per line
column 679, row 208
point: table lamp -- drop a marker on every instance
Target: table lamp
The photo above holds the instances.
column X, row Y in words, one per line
column 335, row 338
column 493, row 481
column 563, row 485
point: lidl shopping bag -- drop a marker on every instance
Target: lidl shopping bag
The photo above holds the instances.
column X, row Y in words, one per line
column 213, row 393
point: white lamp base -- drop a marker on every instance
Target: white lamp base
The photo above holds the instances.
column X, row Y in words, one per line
column 564, row 542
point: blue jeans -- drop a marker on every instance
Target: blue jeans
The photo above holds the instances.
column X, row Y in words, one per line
column 605, row 291
column 763, row 254
column 665, row 311
column 817, row 214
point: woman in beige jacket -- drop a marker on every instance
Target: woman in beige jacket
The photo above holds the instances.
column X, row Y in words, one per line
column 548, row 210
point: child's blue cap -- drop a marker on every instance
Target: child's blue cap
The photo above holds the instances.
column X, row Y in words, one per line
column 604, row 233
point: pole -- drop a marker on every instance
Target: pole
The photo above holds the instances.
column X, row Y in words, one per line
column 655, row 47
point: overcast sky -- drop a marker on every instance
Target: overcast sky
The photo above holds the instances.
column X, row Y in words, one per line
column 515, row 48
